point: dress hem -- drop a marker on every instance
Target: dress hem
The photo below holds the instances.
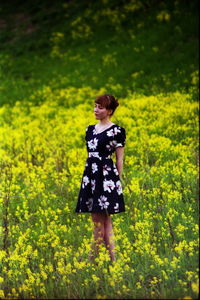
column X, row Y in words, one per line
column 111, row 213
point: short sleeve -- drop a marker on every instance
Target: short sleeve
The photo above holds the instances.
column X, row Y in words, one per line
column 120, row 137
column 86, row 131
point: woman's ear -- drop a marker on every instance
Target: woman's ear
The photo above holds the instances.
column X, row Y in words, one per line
column 110, row 112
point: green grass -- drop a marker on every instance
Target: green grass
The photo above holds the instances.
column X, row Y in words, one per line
column 51, row 70
column 140, row 54
column 44, row 252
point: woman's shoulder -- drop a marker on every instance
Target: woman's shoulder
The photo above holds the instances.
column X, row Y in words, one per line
column 88, row 127
column 120, row 127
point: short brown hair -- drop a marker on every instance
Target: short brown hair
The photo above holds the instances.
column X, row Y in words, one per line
column 108, row 101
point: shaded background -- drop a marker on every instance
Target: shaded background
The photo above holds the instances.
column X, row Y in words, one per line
column 144, row 47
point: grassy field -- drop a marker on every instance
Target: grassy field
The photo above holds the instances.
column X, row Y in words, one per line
column 55, row 59
column 143, row 48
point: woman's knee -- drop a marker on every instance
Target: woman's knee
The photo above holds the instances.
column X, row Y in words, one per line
column 108, row 221
column 98, row 220
column 98, row 217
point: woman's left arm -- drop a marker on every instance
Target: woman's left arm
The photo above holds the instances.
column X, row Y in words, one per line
column 119, row 159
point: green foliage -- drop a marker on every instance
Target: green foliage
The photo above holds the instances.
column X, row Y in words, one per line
column 45, row 245
column 145, row 47
column 56, row 57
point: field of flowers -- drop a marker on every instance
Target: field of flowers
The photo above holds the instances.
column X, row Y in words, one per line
column 45, row 245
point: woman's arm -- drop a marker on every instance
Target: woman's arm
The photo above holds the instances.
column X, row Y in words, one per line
column 119, row 159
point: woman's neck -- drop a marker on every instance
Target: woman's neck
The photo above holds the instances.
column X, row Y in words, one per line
column 104, row 122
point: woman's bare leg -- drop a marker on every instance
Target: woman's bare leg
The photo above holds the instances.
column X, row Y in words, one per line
column 98, row 232
column 109, row 237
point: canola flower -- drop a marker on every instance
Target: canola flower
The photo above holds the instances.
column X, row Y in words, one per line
column 45, row 246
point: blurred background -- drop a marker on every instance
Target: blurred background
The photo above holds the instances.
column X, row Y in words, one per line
column 138, row 46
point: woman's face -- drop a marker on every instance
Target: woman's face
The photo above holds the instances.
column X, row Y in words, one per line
column 101, row 112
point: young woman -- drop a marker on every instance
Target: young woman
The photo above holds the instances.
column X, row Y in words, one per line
column 101, row 189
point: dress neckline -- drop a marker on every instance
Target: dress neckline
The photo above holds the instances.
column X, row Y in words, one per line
column 104, row 130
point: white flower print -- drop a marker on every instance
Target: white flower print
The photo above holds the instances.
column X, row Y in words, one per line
column 89, row 203
column 92, row 144
column 119, row 187
column 110, row 132
column 94, row 154
column 113, row 131
column 108, row 185
column 115, row 170
column 119, row 145
column 94, row 168
column 116, row 130
column 116, row 207
column 85, row 181
column 93, row 184
column 102, row 202
column 106, row 169
column 94, row 132
column 111, row 145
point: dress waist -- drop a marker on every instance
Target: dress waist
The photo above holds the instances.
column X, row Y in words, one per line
column 98, row 155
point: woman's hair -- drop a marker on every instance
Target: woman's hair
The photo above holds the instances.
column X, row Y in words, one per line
column 107, row 101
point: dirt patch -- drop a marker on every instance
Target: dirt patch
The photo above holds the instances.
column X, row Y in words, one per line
column 23, row 22
column 3, row 24
column 19, row 24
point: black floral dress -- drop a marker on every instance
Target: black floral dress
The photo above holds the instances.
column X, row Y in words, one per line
column 101, row 188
